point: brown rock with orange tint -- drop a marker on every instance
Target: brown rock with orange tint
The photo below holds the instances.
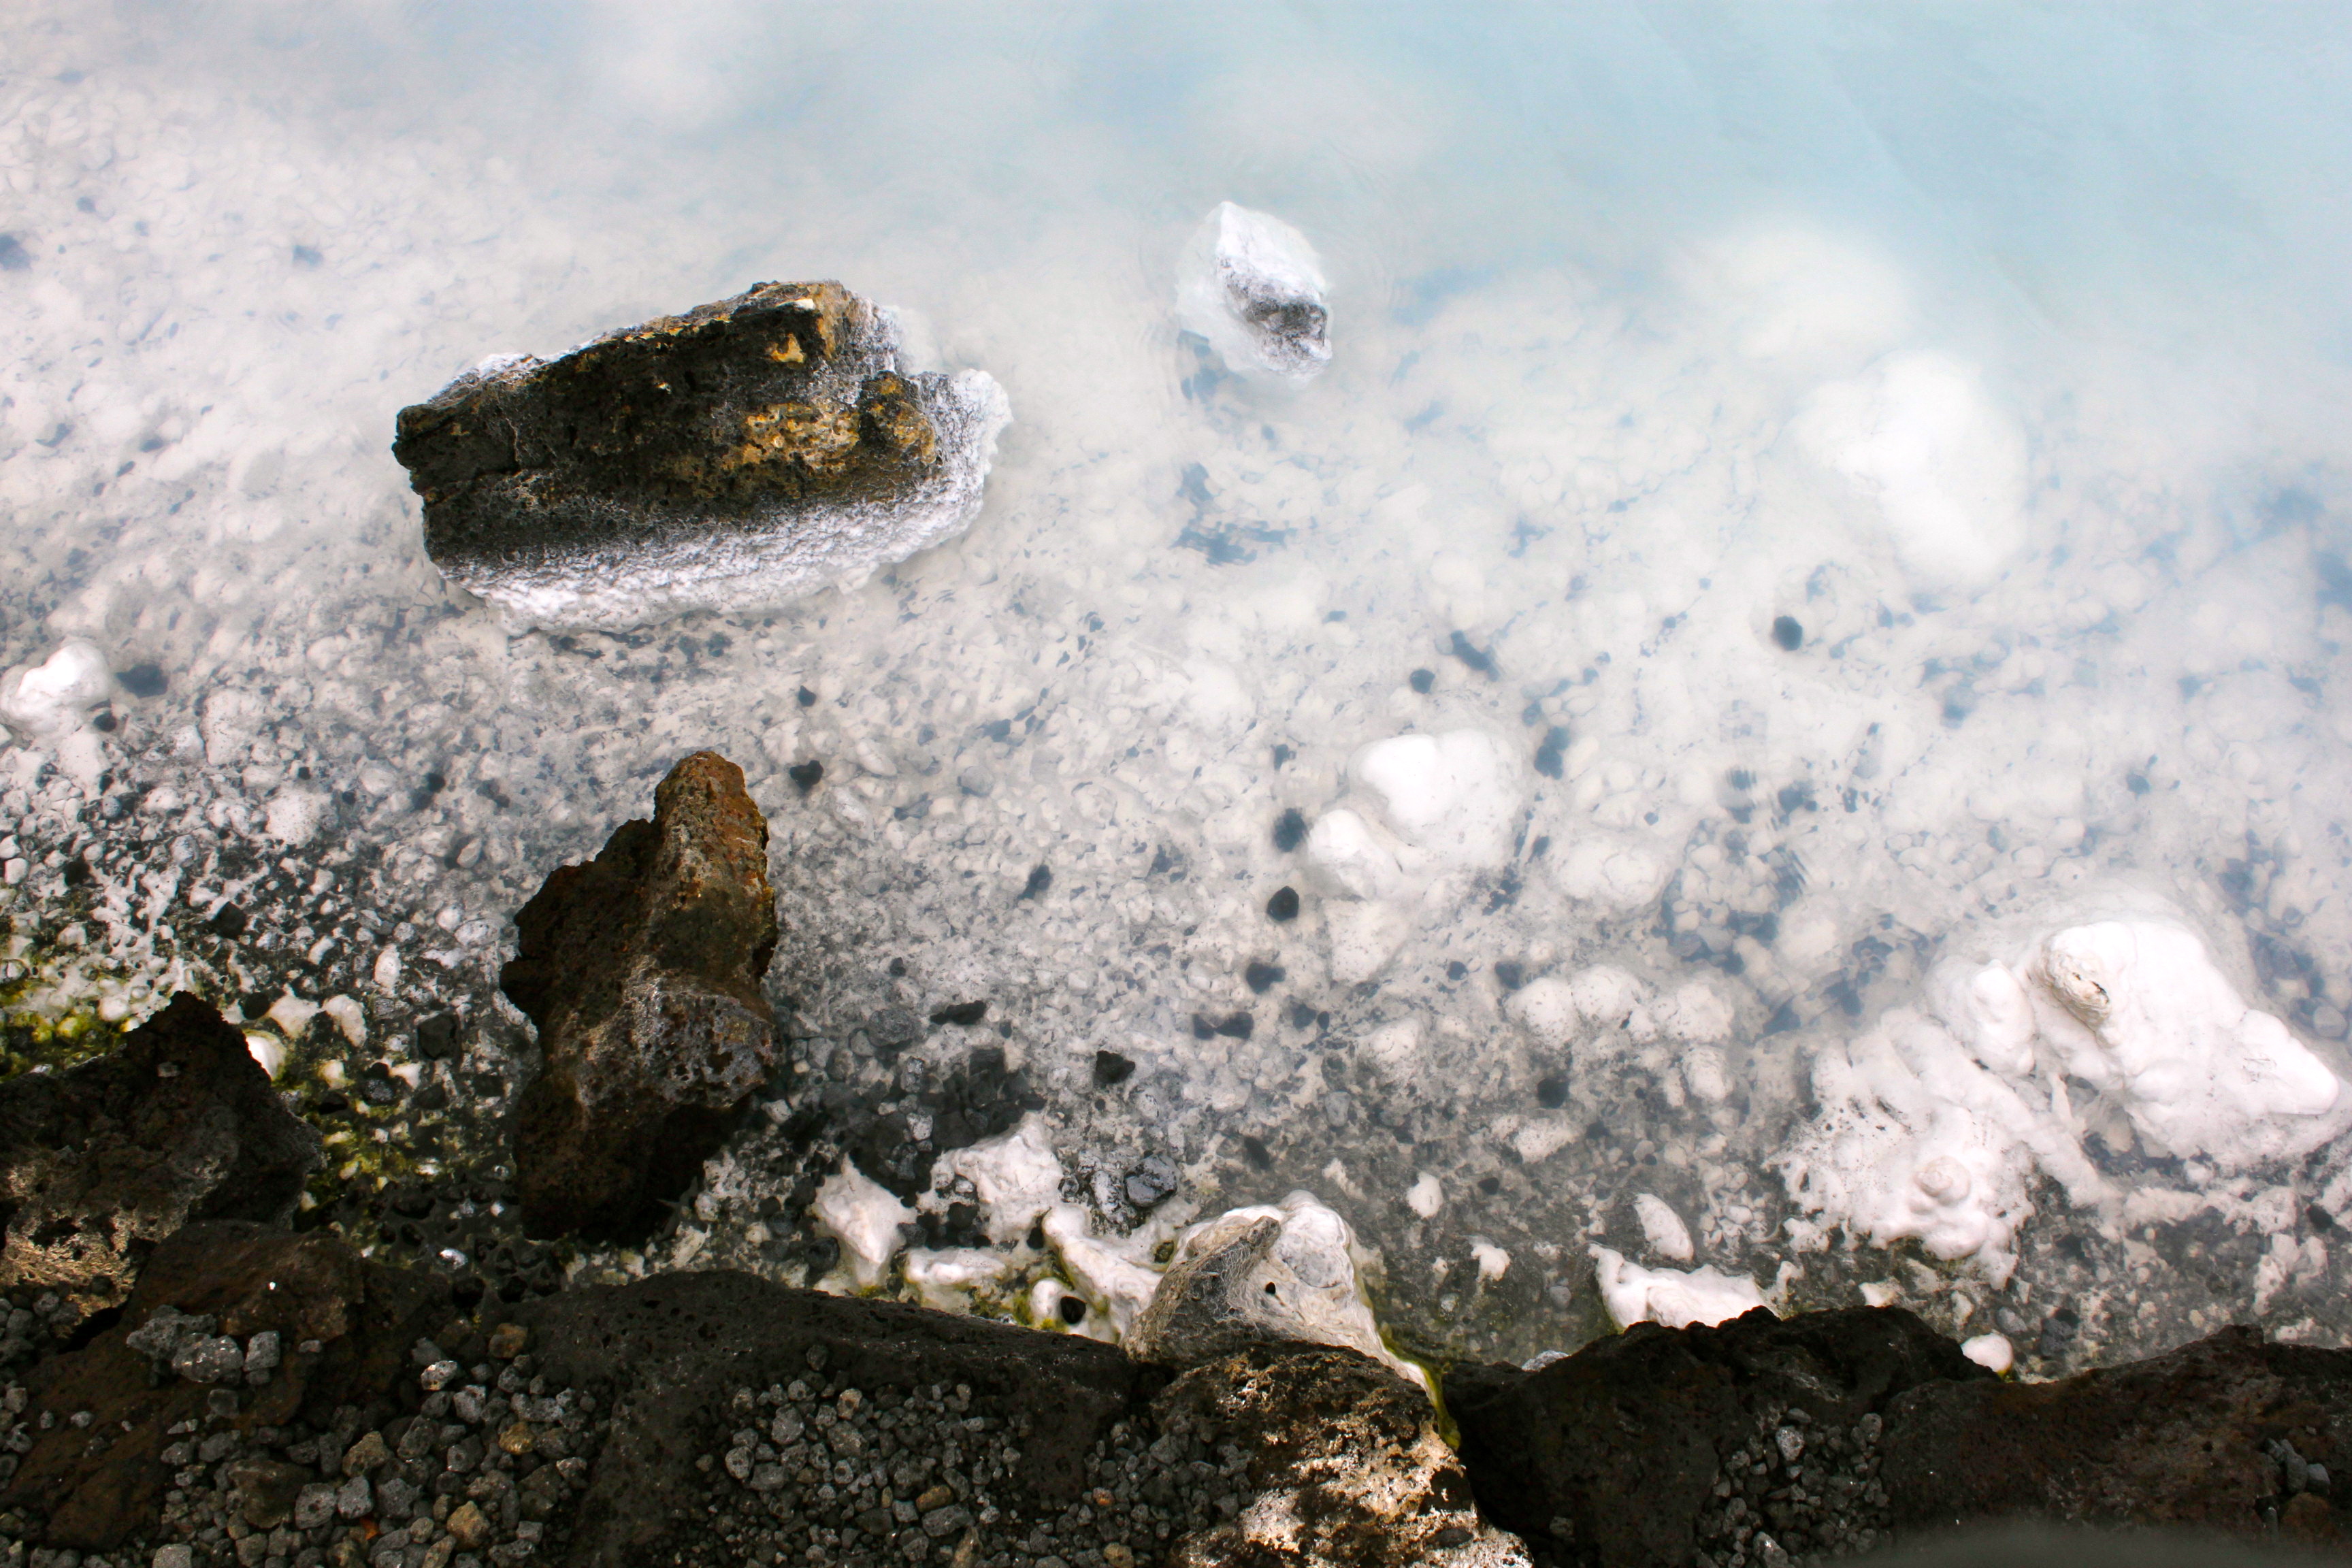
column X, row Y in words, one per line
column 642, row 969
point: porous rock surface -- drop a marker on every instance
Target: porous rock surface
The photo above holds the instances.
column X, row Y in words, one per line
column 1610, row 1456
column 2221, row 1434
column 641, row 971
column 104, row 1160
column 342, row 1328
column 1346, row 1462
column 739, row 455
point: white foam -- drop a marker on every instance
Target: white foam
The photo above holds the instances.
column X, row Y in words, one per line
column 1672, row 1298
column 861, row 1213
column 1663, row 1228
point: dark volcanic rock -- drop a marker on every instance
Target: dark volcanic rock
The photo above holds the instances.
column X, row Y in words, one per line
column 1609, row 1457
column 2218, row 1435
column 641, row 970
column 1345, row 1460
column 740, row 455
column 99, row 1163
column 672, row 1349
column 344, row 1326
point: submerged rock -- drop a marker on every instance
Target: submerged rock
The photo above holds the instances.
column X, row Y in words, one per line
column 740, row 456
column 641, row 970
column 99, row 1163
column 1345, row 1461
column 1250, row 284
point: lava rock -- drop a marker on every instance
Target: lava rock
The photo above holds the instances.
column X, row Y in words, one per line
column 1609, row 1456
column 2186, row 1438
column 352, row 1321
column 641, row 970
column 1251, row 286
column 746, row 453
column 1345, row 1460
column 673, row 1349
column 100, row 1161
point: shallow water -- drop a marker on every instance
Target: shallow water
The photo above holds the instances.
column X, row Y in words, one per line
column 1994, row 357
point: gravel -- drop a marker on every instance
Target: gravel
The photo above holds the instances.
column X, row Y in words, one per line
column 822, row 1471
column 1796, row 1491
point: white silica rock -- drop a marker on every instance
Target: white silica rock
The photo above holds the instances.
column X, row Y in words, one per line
column 1546, row 1008
column 946, row 1278
column 1663, row 1228
column 1425, row 1196
column 1345, row 856
column 295, row 815
column 267, row 1051
column 1016, row 1175
column 1992, row 1351
column 1106, row 1275
column 864, row 1217
column 1916, row 437
column 1674, row 1299
column 1251, row 285
column 1453, row 800
column 46, row 701
column 2138, row 1010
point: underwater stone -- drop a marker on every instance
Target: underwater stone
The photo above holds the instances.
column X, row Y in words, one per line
column 1251, row 285
column 641, row 970
column 738, row 456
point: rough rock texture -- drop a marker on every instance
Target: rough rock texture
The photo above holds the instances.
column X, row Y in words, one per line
column 1609, row 1456
column 641, row 970
column 2220, row 1435
column 673, row 1349
column 344, row 1327
column 1346, row 1460
column 740, row 455
column 99, row 1163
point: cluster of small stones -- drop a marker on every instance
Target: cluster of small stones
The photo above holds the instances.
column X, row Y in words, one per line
column 483, row 1474
column 31, row 1326
column 1797, row 1491
column 821, row 1472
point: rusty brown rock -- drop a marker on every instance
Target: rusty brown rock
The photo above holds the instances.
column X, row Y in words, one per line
column 642, row 969
column 745, row 452
column 102, row 1162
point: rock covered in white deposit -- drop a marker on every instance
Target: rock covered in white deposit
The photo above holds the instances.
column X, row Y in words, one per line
column 1251, row 285
column 1452, row 800
column 1105, row 1272
column 1269, row 1272
column 1992, row 1351
column 1016, row 1175
column 864, row 1217
column 48, row 705
column 1931, row 1125
column 1663, row 1228
column 1672, row 1298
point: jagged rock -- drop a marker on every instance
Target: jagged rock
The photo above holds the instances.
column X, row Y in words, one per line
column 347, row 1324
column 2214, row 1435
column 641, row 970
column 670, row 1349
column 1349, row 1468
column 1251, row 285
column 739, row 455
column 1608, row 1457
column 100, row 1161
column 1259, row 1275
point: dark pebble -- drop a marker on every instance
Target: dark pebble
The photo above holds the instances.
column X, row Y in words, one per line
column 308, row 256
column 13, row 257
column 1551, row 1093
column 1074, row 1313
column 964, row 1015
column 1258, row 1155
column 1283, row 905
column 1152, row 1179
column 1040, row 878
column 229, row 921
column 436, row 1037
column 1510, row 974
column 1553, row 752
column 1477, row 659
column 807, row 698
column 805, row 776
column 1421, row 681
column 1112, row 1069
column 1237, row 1027
column 1289, row 830
column 1262, row 978
column 1788, row 632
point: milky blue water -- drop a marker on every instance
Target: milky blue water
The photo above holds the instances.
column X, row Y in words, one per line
column 1999, row 351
